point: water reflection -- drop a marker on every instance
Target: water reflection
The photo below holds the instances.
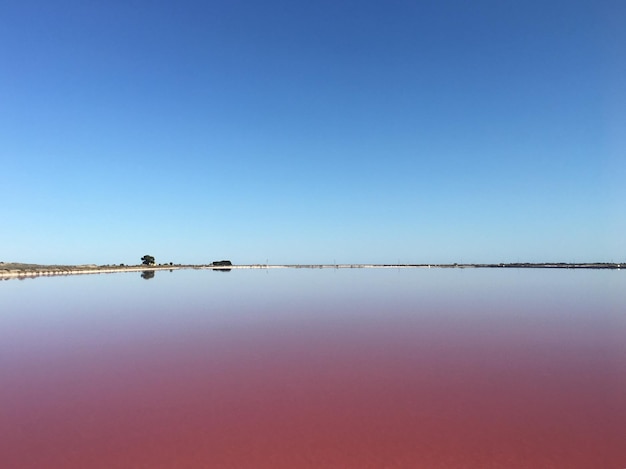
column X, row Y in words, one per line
column 314, row 369
column 147, row 274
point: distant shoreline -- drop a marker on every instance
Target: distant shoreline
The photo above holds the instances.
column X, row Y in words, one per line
column 21, row 271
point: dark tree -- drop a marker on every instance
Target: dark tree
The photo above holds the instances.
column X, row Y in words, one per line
column 147, row 274
column 147, row 260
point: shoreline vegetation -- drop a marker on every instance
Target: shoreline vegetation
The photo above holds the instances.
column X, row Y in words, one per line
column 10, row 270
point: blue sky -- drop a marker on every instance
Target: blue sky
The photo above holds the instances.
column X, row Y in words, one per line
column 328, row 131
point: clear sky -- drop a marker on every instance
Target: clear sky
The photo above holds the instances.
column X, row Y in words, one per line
column 312, row 132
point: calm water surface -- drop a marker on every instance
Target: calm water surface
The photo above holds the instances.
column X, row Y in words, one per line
column 315, row 369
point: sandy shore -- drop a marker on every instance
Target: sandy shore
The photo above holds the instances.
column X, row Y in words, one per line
column 20, row 271
column 8, row 271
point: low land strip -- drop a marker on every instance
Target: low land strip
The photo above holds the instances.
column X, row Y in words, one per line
column 20, row 271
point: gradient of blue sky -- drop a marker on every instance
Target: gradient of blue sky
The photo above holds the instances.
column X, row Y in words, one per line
column 347, row 131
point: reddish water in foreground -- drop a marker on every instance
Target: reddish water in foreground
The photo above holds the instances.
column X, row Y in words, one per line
column 325, row 372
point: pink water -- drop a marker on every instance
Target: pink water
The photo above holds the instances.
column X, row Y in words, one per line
column 324, row 371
